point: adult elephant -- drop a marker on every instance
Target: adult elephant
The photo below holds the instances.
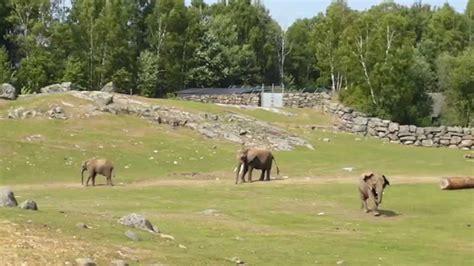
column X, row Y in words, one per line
column 97, row 166
column 371, row 189
column 254, row 158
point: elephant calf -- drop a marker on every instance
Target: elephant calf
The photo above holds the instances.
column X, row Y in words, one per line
column 253, row 158
column 97, row 166
column 371, row 189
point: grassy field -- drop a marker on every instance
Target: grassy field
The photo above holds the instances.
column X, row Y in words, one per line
column 310, row 215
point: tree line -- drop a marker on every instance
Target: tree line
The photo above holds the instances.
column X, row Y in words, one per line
column 382, row 61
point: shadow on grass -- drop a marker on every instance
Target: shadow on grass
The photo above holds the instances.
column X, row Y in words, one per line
column 388, row 213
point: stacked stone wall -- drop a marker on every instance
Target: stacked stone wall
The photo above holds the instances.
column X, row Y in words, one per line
column 360, row 123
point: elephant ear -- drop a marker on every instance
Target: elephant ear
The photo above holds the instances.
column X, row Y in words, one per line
column 367, row 176
column 386, row 183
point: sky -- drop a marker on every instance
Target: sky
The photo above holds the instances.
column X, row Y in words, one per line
column 285, row 12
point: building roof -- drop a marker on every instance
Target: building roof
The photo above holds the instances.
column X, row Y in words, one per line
column 216, row 91
column 438, row 102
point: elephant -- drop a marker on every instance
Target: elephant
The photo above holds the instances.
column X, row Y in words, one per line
column 254, row 158
column 371, row 189
column 97, row 166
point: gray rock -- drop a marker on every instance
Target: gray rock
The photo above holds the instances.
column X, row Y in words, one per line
column 85, row 262
column 466, row 143
column 119, row 263
column 427, row 143
column 420, row 131
column 7, row 198
column 407, row 138
column 55, row 88
column 455, row 140
column 404, row 129
column 102, row 98
column 138, row 221
column 361, row 120
column 29, row 205
column 133, row 236
column 82, row 226
column 109, row 87
column 359, row 128
column 8, row 92
column 412, row 128
column 392, row 127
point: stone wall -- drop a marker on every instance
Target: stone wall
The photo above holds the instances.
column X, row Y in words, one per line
column 305, row 100
column 237, row 99
column 360, row 123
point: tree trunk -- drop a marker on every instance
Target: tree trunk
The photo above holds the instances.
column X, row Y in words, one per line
column 449, row 183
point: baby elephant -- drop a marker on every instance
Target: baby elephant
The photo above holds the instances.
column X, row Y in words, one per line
column 371, row 191
column 97, row 166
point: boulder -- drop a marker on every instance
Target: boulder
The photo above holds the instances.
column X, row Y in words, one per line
column 60, row 87
column 138, row 221
column 8, row 92
column 102, row 98
column 109, row 87
column 7, row 198
column 29, row 205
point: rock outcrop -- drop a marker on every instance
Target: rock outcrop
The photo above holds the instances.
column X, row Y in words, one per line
column 8, row 92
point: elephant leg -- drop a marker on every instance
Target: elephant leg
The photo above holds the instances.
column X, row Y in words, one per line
column 250, row 174
column 244, row 173
column 262, row 176
column 364, row 203
column 88, row 178
column 268, row 174
column 93, row 179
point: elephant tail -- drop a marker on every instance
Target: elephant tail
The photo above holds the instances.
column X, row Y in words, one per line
column 278, row 169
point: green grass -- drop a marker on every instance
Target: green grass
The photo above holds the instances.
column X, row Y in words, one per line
column 275, row 223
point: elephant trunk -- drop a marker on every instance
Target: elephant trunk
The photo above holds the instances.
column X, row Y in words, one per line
column 239, row 170
column 82, row 176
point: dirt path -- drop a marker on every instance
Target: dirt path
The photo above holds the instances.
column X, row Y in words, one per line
column 204, row 180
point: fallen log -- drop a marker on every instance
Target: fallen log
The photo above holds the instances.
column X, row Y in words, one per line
column 448, row 183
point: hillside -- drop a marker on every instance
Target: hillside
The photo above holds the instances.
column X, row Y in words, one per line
column 173, row 173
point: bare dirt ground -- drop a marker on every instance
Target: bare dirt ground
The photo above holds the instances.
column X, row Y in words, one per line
column 213, row 179
column 30, row 244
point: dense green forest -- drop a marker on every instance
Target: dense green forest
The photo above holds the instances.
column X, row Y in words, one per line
column 382, row 61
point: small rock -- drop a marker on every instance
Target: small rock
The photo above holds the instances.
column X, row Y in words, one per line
column 237, row 260
column 82, row 226
column 210, row 212
column 85, row 262
column 348, row 169
column 326, row 140
column 132, row 236
column 119, row 263
column 321, row 214
column 7, row 198
column 29, row 205
column 138, row 221
column 182, row 246
column 340, row 262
